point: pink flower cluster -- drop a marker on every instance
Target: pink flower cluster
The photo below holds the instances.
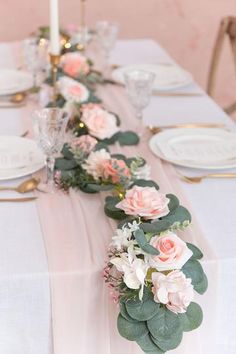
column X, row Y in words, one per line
column 173, row 290
column 100, row 164
column 100, row 123
column 75, row 64
column 84, row 143
column 145, row 202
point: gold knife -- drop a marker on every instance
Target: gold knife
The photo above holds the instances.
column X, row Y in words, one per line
column 17, row 200
column 177, row 94
column 157, row 129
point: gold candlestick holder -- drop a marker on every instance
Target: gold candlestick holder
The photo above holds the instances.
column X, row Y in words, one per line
column 55, row 61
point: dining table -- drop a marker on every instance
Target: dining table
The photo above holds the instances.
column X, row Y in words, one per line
column 53, row 298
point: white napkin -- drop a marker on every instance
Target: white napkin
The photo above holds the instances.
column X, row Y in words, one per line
column 15, row 159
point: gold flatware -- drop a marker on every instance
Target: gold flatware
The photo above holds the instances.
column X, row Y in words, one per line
column 158, row 129
column 17, row 200
column 198, row 179
column 18, row 97
column 27, row 186
column 23, row 135
column 177, row 94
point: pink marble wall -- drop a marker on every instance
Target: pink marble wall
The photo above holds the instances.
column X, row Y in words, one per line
column 187, row 28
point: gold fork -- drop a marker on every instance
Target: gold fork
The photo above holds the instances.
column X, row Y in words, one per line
column 158, row 129
column 198, row 179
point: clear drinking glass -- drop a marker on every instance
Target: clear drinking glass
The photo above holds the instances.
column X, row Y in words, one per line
column 107, row 35
column 139, row 85
column 49, row 129
column 36, row 58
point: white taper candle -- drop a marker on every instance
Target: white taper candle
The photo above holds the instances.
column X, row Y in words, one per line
column 54, row 28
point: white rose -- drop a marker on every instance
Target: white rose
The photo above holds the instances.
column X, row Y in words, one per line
column 94, row 163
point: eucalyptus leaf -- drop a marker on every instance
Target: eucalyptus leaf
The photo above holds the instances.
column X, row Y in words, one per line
column 142, row 310
column 192, row 318
column 145, row 183
column 197, row 253
column 128, row 138
column 143, row 243
column 130, row 330
column 100, row 187
column 164, row 324
column 172, row 342
column 156, row 227
column 124, row 312
column 180, row 215
column 64, row 164
column 148, row 346
column 111, row 210
column 193, row 270
column 66, row 152
column 173, row 203
column 100, row 145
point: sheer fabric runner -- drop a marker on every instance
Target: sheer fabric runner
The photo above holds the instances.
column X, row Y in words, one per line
column 77, row 233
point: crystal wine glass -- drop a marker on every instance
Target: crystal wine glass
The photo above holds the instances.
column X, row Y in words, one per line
column 36, row 57
column 139, row 85
column 107, row 35
column 49, row 129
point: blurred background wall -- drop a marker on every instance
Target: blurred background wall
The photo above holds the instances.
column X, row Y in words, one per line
column 186, row 28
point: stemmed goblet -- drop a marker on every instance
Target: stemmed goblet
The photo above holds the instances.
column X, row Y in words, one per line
column 139, row 85
column 49, row 126
column 107, row 33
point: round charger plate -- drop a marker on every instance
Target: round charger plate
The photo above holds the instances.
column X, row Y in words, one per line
column 19, row 157
column 168, row 76
column 201, row 148
column 14, row 81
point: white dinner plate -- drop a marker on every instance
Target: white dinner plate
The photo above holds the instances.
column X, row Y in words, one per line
column 19, row 157
column 200, row 148
column 168, row 76
column 13, row 81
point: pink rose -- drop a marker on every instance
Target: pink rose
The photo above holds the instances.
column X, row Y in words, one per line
column 99, row 122
column 85, row 143
column 174, row 252
column 94, row 163
column 173, row 290
column 115, row 170
column 74, row 64
column 146, row 202
column 72, row 90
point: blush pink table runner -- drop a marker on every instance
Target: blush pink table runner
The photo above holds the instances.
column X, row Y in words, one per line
column 77, row 233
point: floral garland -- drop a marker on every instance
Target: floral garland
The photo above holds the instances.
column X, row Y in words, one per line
column 151, row 272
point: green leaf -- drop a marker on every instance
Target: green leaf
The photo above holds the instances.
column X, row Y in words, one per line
column 128, row 138
column 173, row 203
column 130, row 330
column 64, row 164
column 100, row 145
column 100, row 187
column 119, row 157
column 172, row 342
column 197, row 253
column 124, row 312
column 66, row 152
column 193, row 270
column 111, row 210
column 148, row 346
column 111, row 140
column 164, row 324
column 180, row 215
column 143, row 243
column 142, row 310
column 145, row 183
column 156, row 227
column 127, row 220
column 192, row 318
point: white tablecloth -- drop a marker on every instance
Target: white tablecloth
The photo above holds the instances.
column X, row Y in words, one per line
column 24, row 284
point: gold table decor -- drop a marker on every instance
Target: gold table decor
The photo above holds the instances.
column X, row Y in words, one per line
column 55, row 61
